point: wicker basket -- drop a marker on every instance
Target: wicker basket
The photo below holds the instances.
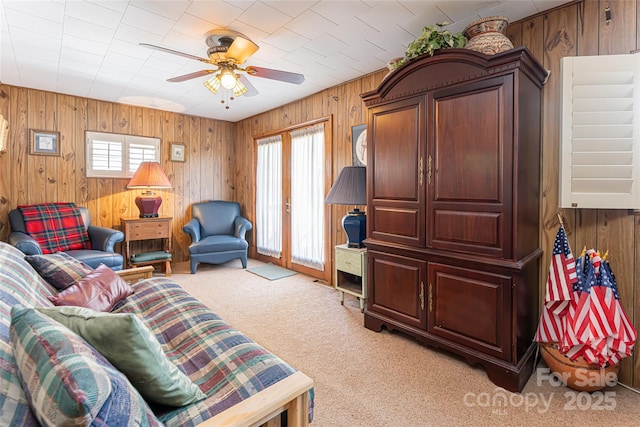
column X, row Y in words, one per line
column 577, row 374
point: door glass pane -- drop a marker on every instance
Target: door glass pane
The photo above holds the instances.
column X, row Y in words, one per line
column 269, row 197
column 307, row 197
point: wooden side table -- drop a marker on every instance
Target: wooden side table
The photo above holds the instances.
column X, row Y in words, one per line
column 147, row 229
column 350, row 272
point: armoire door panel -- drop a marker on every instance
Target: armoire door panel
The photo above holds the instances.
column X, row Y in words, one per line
column 395, row 286
column 395, row 173
column 392, row 222
column 470, row 201
column 470, row 307
column 468, row 146
column 467, row 231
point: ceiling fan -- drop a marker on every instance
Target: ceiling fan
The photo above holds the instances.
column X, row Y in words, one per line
column 228, row 50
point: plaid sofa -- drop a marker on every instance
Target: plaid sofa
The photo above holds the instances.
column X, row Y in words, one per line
column 226, row 365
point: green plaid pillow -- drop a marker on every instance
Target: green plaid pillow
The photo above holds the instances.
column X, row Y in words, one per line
column 60, row 269
column 67, row 382
column 130, row 346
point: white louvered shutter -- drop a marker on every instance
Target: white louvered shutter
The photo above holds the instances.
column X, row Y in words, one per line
column 600, row 140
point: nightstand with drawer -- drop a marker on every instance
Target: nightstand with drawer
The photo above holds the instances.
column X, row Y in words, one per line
column 350, row 272
column 147, row 229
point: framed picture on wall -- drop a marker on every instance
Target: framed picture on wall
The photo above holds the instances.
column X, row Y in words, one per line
column 44, row 142
column 177, row 153
column 359, row 144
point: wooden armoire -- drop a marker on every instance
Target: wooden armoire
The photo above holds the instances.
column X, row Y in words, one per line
column 453, row 198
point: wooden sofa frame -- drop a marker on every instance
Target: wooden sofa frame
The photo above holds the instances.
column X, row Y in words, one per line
column 263, row 408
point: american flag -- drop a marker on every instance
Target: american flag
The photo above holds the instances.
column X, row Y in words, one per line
column 597, row 326
column 559, row 292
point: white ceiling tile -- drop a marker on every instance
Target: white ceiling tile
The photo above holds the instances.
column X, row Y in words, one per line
column 132, row 34
column 253, row 33
column 264, row 17
column 48, row 10
column 113, row 73
column 84, row 44
column 122, row 61
column 286, row 40
column 169, row 9
column 294, row 8
column 513, row 12
column 393, row 39
column 80, row 28
column 147, row 21
column 303, row 56
column 372, row 63
column 460, row 9
column 18, row 35
column 116, row 5
column 415, row 24
column 9, row 72
column 218, row 12
column 85, row 68
column 353, row 29
column 311, row 25
column 378, row 16
column 184, row 43
column 130, row 49
column 94, row 13
column 105, row 89
column 266, row 55
column 326, row 45
column 337, row 60
column 24, row 21
column 74, row 83
column 546, row 4
column 35, row 51
column 193, row 26
column 362, row 50
column 338, row 11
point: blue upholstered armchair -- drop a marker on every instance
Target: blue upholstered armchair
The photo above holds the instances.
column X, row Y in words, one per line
column 217, row 233
column 102, row 240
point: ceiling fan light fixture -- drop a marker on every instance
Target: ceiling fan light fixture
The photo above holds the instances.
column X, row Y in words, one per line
column 239, row 89
column 213, row 84
column 228, row 78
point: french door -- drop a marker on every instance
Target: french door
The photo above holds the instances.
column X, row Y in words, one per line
column 291, row 217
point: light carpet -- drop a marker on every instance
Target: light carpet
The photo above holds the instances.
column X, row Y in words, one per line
column 271, row 272
column 366, row 378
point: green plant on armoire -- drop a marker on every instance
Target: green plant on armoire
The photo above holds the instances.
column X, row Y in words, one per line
column 433, row 38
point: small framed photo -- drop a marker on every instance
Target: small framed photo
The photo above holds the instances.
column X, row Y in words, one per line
column 177, row 153
column 44, row 142
column 359, row 141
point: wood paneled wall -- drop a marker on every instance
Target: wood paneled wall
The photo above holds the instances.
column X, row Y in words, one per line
column 578, row 29
column 221, row 156
column 207, row 173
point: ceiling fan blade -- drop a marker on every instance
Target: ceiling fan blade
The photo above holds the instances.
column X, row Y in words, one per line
column 283, row 76
column 241, row 49
column 175, row 52
column 190, row 76
column 251, row 90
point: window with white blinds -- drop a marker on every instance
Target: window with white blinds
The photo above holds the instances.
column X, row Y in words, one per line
column 600, row 141
column 111, row 155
